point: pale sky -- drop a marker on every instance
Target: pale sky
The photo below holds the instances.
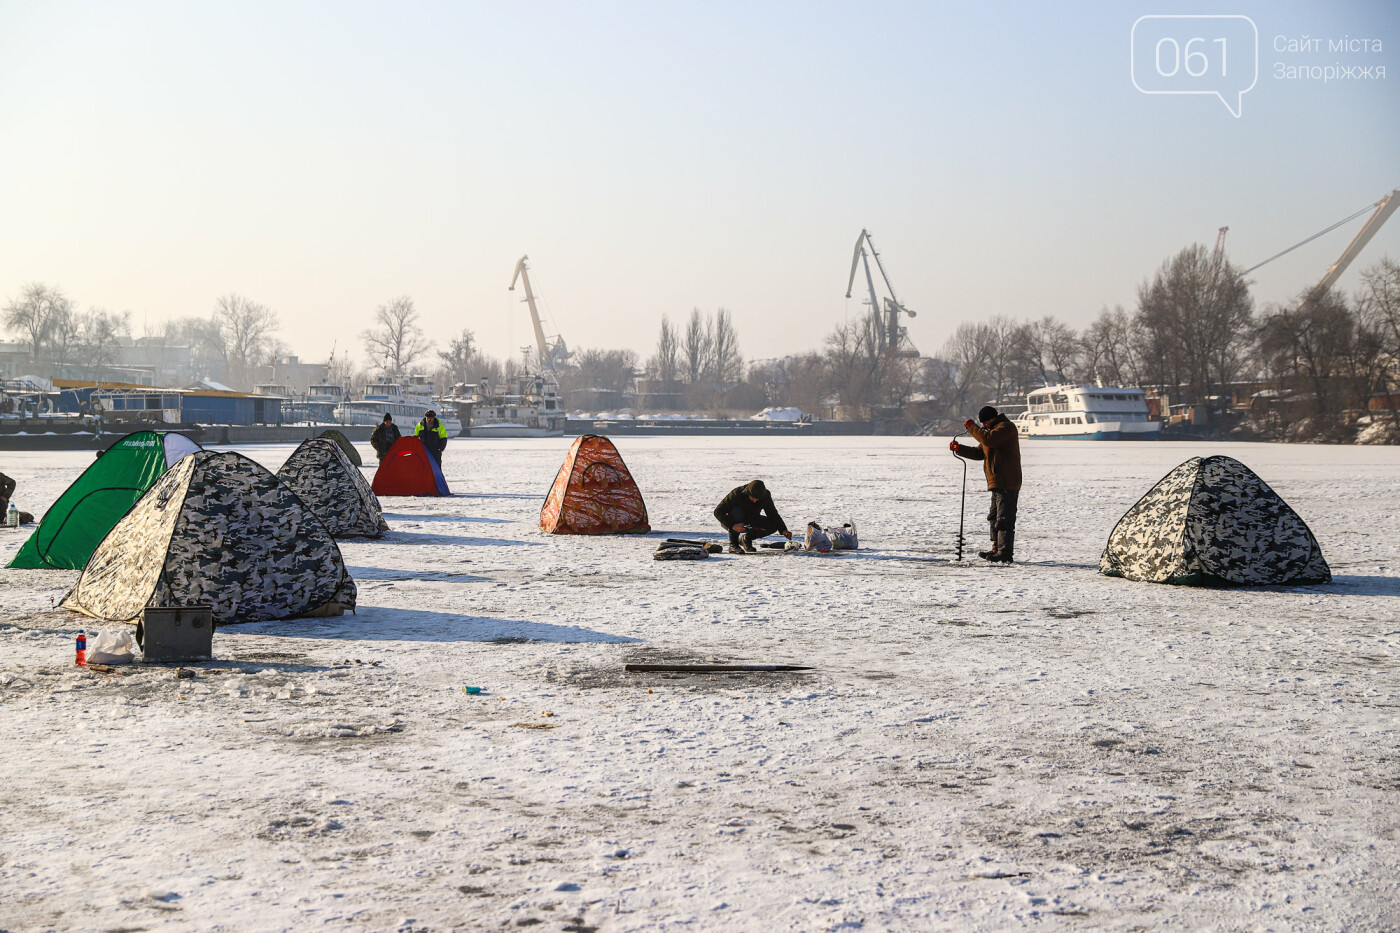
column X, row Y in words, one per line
column 650, row 157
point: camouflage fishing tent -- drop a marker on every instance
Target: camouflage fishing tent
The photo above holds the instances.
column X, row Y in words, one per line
column 219, row 530
column 594, row 493
column 343, row 442
column 334, row 489
column 81, row 517
column 1213, row 521
column 409, row 470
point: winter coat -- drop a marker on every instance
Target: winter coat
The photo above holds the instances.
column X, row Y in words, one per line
column 384, row 437
column 1000, row 450
column 434, row 438
column 752, row 513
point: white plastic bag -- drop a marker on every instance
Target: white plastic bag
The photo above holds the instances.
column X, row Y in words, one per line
column 110, row 647
column 816, row 539
column 844, row 538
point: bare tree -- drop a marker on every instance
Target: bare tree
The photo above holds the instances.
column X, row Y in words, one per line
column 960, row 378
column 856, row 359
column 206, row 342
column 726, row 364
column 1197, row 316
column 695, row 347
column 1054, row 350
column 65, row 337
column 1380, row 297
column 457, row 358
column 39, row 314
column 1006, row 356
column 1310, row 343
column 1379, row 301
column 395, row 341
column 99, row 340
column 245, row 332
column 665, row 363
column 608, row 370
column 1109, row 348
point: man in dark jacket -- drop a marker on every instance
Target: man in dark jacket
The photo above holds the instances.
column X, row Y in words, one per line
column 749, row 510
column 384, row 436
column 433, row 435
column 999, row 449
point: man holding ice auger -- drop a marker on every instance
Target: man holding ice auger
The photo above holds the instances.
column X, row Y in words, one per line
column 999, row 449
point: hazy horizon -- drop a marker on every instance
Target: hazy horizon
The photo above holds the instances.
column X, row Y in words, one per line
column 324, row 158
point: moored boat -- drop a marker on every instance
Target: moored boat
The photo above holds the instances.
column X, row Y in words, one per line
column 1087, row 413
column 525, row 406
column 406, row 407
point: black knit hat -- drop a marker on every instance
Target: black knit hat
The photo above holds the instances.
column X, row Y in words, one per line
column 986, row 414
column 388, row 417
column 756, row 489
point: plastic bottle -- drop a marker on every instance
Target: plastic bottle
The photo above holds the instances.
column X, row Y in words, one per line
column 12, row 516
column 82, row 648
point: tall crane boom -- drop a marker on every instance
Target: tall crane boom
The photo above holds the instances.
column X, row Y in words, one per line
column 892, row 335
column 550, row 351
column 522, row 271
column 1384, row 208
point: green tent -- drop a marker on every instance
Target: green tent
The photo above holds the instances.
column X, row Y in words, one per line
column 75, row 525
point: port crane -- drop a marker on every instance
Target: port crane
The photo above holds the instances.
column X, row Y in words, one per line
column 1384, row 208
column 1380, row 213
column 894, row 339
column 552, row 351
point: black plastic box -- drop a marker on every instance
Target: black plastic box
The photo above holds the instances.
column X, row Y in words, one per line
column 176, row 633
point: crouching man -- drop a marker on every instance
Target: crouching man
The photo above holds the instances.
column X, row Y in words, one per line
column 999, row 449
column 748, row 510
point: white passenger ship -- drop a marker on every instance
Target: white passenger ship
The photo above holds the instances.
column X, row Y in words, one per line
column 406, row 407
column 1087, row 413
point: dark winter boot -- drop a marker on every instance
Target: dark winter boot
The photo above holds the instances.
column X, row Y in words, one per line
column 1006, row 546
column 988, row 555
column 747, row 541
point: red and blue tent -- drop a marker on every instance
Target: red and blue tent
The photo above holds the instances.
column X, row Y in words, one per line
column 409, row 470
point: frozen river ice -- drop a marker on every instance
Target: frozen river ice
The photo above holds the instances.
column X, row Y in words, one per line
column 980, row 748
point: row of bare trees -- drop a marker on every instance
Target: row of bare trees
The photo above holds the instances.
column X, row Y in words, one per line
column 63, row 341
column 1194, row 333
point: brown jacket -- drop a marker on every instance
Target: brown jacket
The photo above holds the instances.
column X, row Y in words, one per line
column 1000, row 451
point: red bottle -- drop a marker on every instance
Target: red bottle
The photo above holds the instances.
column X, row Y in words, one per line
column 82, row 649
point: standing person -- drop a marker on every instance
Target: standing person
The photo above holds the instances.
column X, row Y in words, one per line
column 749, row 510
column 999, row 449
column 433, row 434
column 384, row 436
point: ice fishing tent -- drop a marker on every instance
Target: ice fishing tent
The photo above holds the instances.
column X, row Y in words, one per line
column 594, row 493
column 218, row 530
column 76, row 523
column 1213, row 521
column 409, row 470
column 343, row 442
column 334, row 489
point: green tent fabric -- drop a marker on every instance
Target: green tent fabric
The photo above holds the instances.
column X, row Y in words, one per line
column 75, row 525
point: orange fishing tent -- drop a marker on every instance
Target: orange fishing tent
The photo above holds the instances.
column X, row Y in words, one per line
column 594, row 494
column 409, row 470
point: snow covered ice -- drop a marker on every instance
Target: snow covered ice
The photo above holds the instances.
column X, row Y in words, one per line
column 981, row 747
